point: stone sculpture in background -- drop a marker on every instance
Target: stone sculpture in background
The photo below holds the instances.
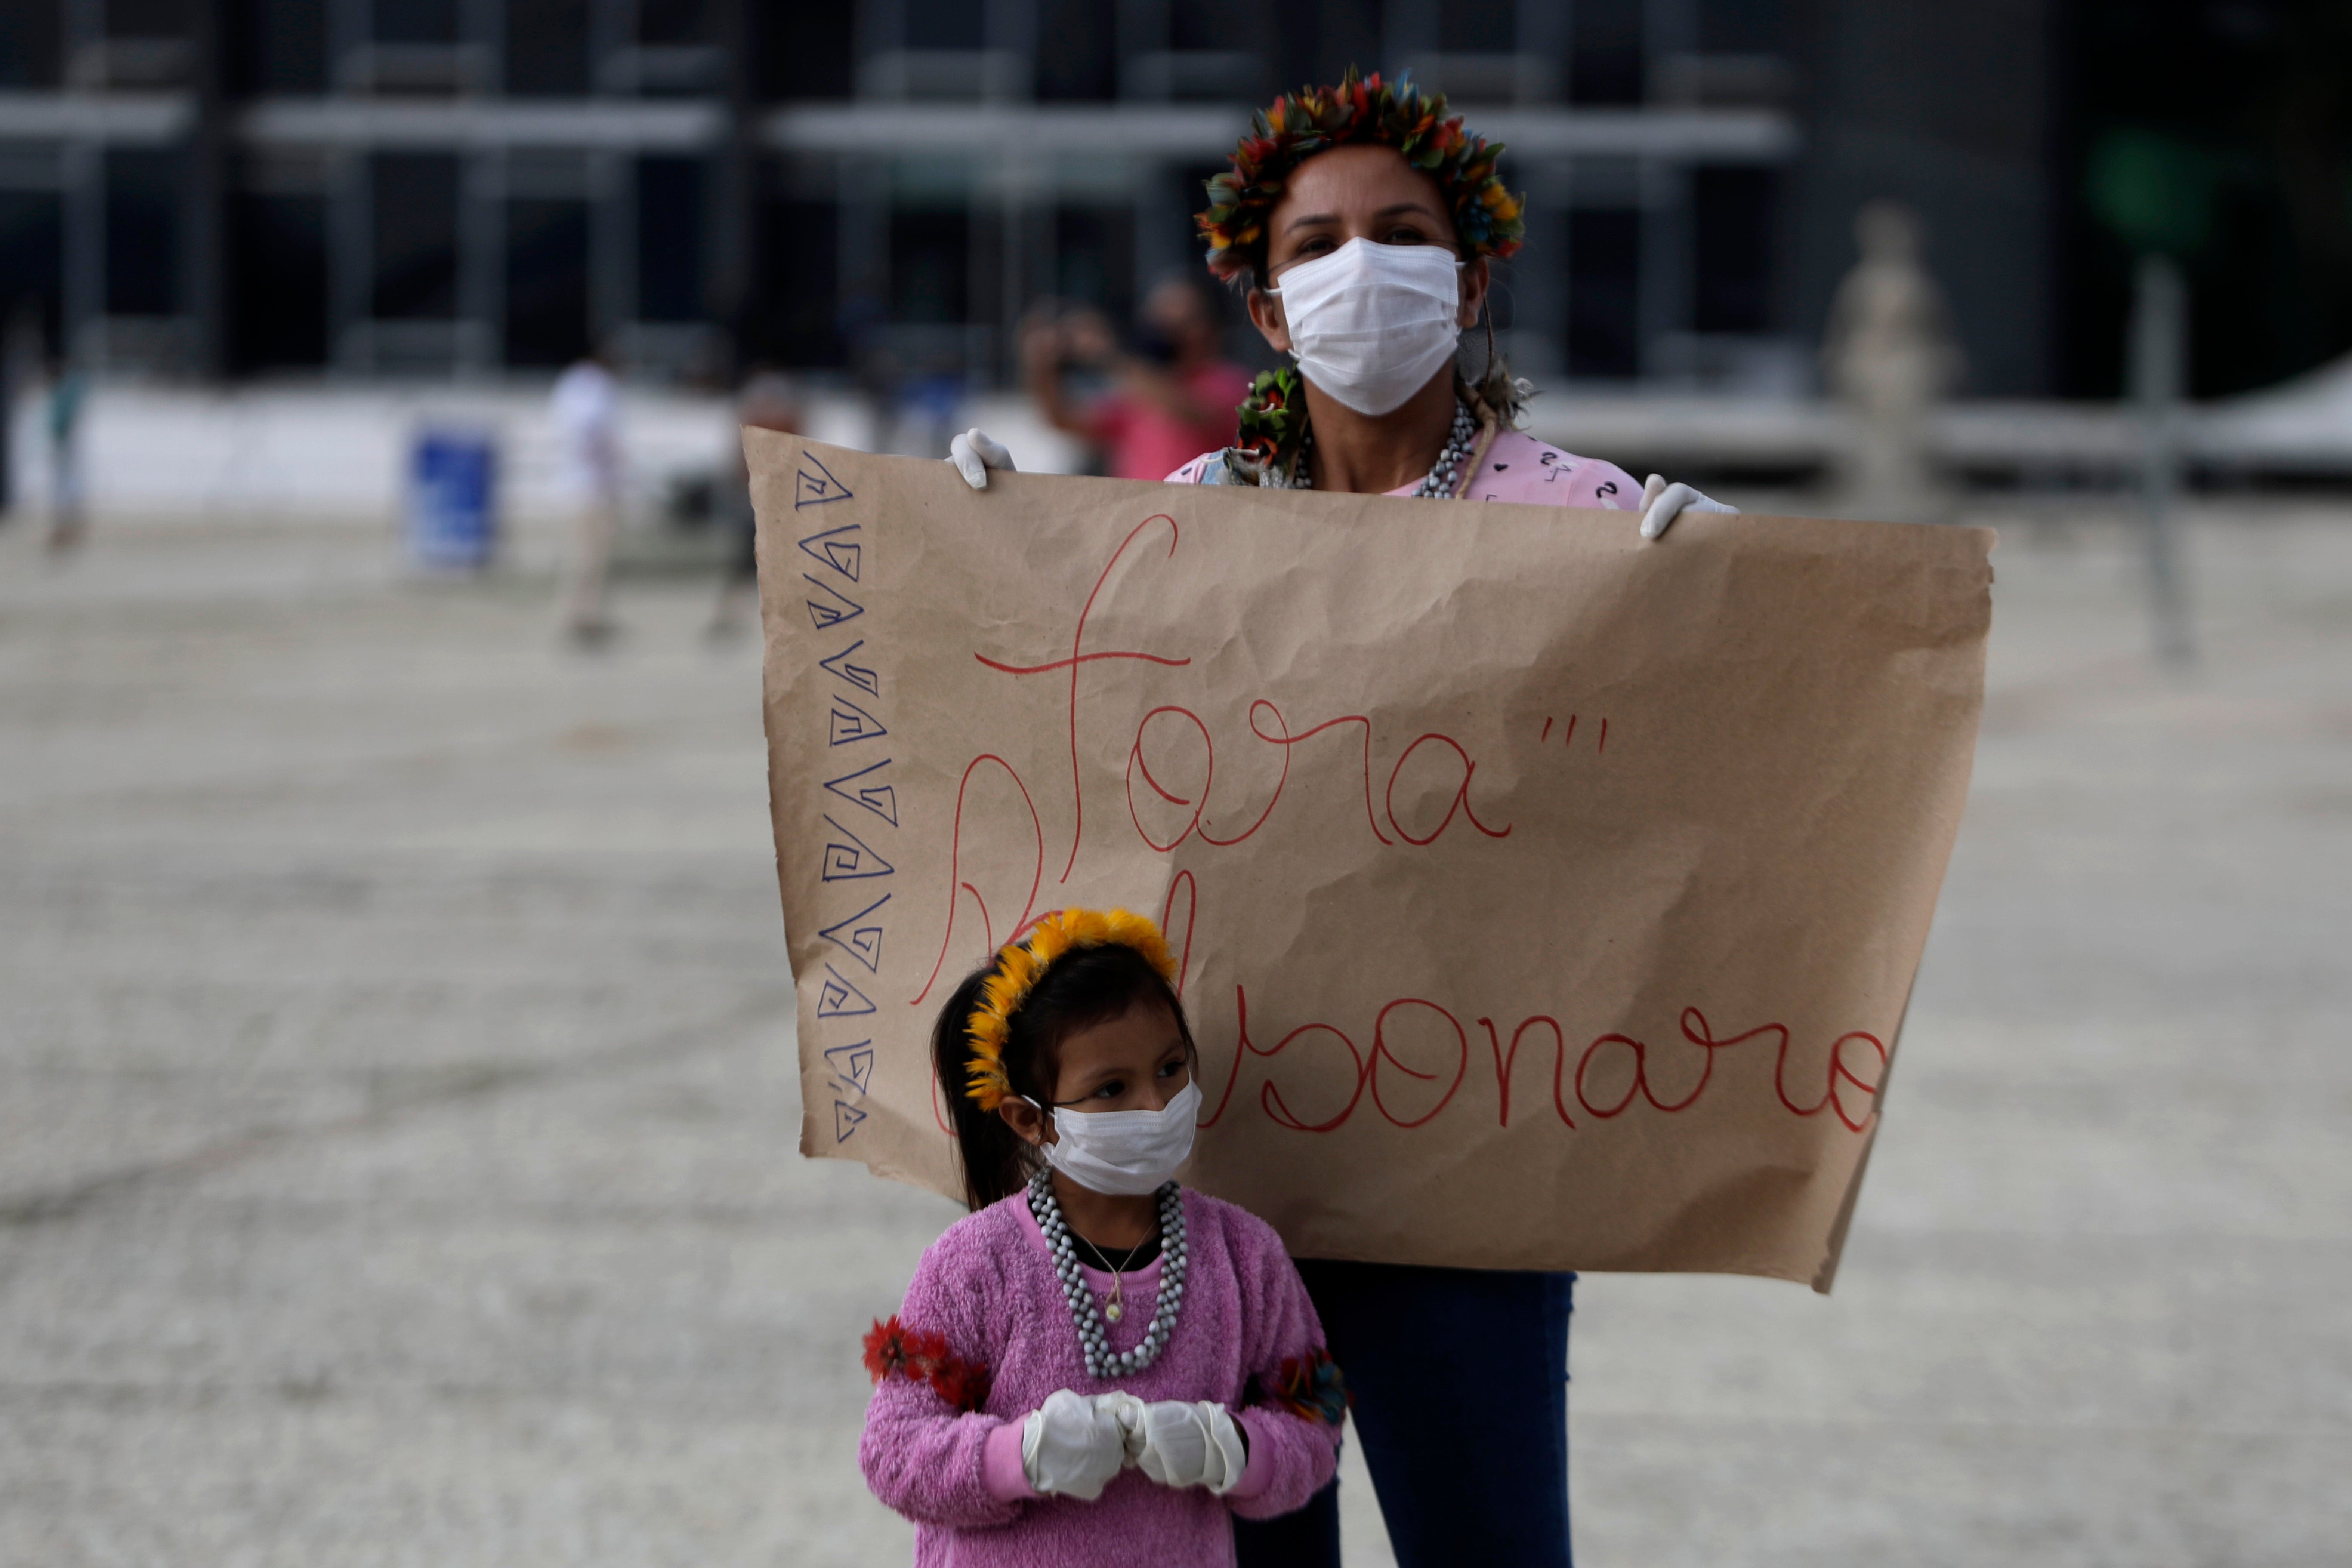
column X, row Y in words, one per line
column 1889, row 359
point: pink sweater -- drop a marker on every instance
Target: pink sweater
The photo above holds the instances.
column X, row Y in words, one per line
column 988, row 1286
column 1517, row 467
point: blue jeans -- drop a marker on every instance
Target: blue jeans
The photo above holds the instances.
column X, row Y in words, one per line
column 1460, row 1383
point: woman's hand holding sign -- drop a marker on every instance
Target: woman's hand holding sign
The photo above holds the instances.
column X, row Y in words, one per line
column 974, row 453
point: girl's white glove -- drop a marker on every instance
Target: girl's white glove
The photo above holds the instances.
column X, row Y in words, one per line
column 974, row 453
column 1663, row 502
column 1072, row 1445
column 1191, row 1445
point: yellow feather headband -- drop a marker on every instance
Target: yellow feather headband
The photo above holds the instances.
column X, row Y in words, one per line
column 1021, row 964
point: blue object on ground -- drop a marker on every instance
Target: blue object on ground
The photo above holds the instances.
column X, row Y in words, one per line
column 453, row 482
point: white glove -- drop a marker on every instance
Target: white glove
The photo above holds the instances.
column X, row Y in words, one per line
column 1191, row 1445
column 974, row 453
column 1073, row 1445
column 1128, row 1411
column 1663, row 502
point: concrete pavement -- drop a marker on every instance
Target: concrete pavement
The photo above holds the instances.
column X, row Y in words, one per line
column 396, row 1105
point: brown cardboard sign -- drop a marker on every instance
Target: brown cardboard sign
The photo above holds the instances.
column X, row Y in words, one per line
column 1544, row 898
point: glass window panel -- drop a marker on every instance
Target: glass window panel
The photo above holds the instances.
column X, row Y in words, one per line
column 31, row 43
column 1732, row 240
column 143, row 232
column 146, row 18
column 946, row 24
column 1477, row 28
column 280, row 47
column 547, row 47
column 278, row 308
column 547, row 282
column 800, row 318
column 413, row 21
column 415, row 218
column 930, row 259
column 674, row 22
column 1604, row 248
column 32, row 256
column 1605, row 52
column 1741, row 27
column 669, row 239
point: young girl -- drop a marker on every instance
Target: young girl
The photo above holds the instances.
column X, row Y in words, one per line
column 1096, row 1364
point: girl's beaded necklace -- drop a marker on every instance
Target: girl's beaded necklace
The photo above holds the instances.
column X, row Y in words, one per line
column 1094, row 1339
column 1438, row 484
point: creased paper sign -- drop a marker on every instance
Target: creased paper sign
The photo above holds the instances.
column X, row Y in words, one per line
column 1545, row 898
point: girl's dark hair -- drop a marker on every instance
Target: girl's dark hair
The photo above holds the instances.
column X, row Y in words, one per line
column 1088, row 986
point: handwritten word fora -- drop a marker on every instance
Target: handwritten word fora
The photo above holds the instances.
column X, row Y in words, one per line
column 1178, row 808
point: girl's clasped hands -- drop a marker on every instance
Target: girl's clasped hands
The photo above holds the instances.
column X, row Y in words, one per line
column 1074, row 1445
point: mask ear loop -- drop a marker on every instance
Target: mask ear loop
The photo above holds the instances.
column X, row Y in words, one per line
column 1045, row 1120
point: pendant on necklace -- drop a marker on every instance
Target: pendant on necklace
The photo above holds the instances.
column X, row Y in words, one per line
column 1115, row 1307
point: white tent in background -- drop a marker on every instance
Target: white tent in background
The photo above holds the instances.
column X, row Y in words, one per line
column 2301, row 425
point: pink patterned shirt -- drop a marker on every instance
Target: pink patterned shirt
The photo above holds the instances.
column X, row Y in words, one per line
column 1517, row 467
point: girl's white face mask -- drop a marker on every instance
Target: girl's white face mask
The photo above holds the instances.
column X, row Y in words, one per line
column 1129, row 1152
column 1369, row 324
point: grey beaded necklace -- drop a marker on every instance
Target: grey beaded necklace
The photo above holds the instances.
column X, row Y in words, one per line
column 1102, row 1362
column 1438, row 484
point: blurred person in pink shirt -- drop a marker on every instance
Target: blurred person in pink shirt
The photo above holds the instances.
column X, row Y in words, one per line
column 1173, row 397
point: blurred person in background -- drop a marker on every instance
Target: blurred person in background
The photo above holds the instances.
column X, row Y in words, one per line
column 768, row 401
column 68, row 391
column 586, row 407
column 1170, row 397
column 1361, row 219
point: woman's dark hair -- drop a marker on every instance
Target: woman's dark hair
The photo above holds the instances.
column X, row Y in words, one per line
column 1088, row 986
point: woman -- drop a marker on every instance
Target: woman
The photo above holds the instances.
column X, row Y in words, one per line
column 1173, row 397
column 1362, row 219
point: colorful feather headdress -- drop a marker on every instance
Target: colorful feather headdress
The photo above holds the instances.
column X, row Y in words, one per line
column 1487, row 217
column 1023, row 964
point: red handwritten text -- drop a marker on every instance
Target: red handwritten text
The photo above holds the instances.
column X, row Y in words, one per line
column 1627, row 1067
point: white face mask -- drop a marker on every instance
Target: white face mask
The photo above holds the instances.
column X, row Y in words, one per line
column 1369, row 324
column 1127, row 1152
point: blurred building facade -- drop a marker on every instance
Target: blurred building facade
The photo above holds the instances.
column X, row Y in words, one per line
column 882, row 187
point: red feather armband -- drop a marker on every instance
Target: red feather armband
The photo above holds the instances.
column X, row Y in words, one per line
column 1308, row 1386
column 893, row 1350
